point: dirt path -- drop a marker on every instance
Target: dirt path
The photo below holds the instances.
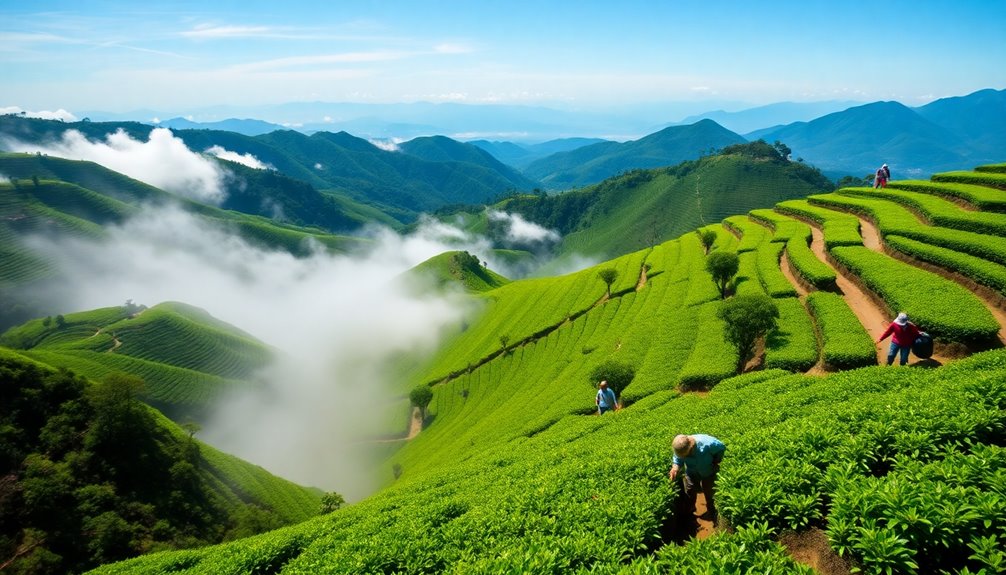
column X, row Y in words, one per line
column 870, row 314
column 415, row 426
column 706, row 527
column 811, row 548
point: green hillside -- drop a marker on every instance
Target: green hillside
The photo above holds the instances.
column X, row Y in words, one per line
column 457, row 269
column 186, row 358
column 900, row 469
column 91, row 475
column 644, row 207
column 75, row 199
column 596, row 162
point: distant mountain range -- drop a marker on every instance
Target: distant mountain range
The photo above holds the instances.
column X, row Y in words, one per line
column 914, row 142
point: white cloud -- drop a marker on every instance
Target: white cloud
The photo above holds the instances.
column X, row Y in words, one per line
column 318, row 166
column 337, row 319
column 4, row 179
column 162, row 161
column 388, row 145
column 59, row 114
column 244, row 159
column 522, row 231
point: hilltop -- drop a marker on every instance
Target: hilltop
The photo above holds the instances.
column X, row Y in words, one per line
column 512, row 472
column 644, row 207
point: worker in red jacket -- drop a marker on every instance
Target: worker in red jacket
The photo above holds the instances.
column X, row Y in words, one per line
column 903, row 334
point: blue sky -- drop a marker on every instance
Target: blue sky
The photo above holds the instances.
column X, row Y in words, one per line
column 121, row 56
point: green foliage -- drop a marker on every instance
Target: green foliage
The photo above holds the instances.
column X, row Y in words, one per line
column 846, row 345
column 332, row 501
column 708, row 238
column 980, row 197
column 839, row 229
column 722, row 266
column 984, row 272
column 618, row 375
column 420, row 397
column 608, row 276
column 91, row 475
column 747, row 319
column 938, row 211
column 792, row 345
column 985, row 178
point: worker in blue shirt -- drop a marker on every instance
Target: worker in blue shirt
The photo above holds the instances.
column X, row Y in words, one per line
column 700, row 456
column 605, row 399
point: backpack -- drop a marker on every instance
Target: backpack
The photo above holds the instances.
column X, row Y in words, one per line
column 923, row 346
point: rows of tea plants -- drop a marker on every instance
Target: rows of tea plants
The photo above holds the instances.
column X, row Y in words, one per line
column 793, row 344
column 751, row 234
column 978, row 197
column 839, row 229
column 984, row 272
column 845, row 344
column 797, row 237
column 590, row 493
column 521, row 310
column 892, row 218
column 937, row 211
column 937, row 305
column 770, row 272
column 988, row 179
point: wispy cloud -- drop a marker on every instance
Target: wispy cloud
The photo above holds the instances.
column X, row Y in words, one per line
column 322, row 60
column 209, row 31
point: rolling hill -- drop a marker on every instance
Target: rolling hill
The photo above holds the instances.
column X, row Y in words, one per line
column 593, row 163
column 187, row 358
column 891, row 469
column 644, row 207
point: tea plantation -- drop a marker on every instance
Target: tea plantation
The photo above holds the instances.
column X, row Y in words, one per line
column 903, row 468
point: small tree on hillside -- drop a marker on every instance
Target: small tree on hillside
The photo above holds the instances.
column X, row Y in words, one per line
column 708, row 238
column 616, row 373
column 421, row 396
column 748, row 318
column 723, row 266
column 608, row 276
column 331, row 502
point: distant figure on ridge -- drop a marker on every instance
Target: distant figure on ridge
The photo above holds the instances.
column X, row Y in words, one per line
column 904, row 334
column 700, row 455
column 880, row 179
column 605, row 399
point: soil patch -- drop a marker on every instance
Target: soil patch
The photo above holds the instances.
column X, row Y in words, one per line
column 811, row 548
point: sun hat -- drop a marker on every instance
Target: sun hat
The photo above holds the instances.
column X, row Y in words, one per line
column 902, row 318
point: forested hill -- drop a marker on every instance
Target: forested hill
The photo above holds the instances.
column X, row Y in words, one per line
column 644, row 207
column 593, row 163
column 92, row 475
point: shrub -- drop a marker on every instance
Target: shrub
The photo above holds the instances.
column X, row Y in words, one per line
column 723, row 267
column 616, row 373
column 748, row 318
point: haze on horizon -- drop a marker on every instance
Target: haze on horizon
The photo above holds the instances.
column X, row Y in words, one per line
column 683, row 56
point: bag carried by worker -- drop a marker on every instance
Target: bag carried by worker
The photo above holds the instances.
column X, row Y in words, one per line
column 923, row 346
